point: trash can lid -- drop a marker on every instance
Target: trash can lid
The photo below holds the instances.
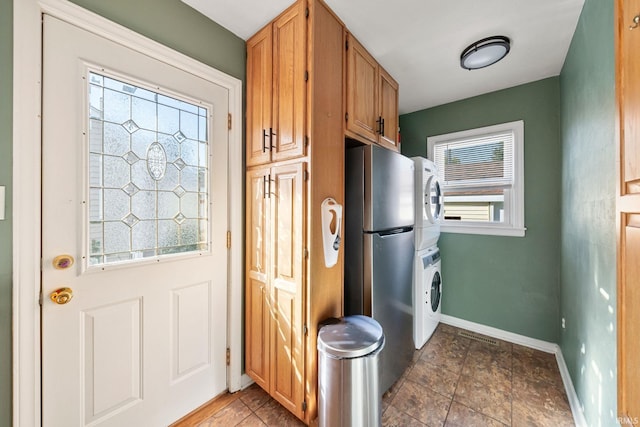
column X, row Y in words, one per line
column 351, row 337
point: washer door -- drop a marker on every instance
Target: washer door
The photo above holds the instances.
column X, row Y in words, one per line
column 433, row 199
column 436, row 291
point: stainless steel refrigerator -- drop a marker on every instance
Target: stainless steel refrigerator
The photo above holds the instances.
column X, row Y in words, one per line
column 379, row 249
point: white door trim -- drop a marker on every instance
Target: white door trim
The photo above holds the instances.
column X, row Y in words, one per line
column 27, row 106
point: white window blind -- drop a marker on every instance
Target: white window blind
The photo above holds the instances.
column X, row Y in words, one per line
column 485, row 161
column 481, row 173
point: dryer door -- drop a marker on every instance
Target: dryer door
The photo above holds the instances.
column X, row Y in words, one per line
column 433, row 200
column 436, row 291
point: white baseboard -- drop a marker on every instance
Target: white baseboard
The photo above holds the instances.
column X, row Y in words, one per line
column 547, row 347
column 574, row 402
column 245, row 381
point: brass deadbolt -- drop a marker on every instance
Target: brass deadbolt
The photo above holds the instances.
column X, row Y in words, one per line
column 62, row 262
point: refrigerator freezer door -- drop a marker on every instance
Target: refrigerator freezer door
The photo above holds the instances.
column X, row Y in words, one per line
column 388, row 262
column 389, row 198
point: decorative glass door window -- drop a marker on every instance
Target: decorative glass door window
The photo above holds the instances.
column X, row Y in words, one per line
column 148, row 173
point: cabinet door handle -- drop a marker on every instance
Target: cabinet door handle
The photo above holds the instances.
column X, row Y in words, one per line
column 264, row 140
column 272, row 134
column 379, row 122
column 382, row 126
column 264, row 186
column 269, row 191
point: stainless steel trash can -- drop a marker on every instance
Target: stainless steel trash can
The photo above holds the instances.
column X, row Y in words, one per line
column 349, row 372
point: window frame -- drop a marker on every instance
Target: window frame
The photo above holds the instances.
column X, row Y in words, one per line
column 513, row 224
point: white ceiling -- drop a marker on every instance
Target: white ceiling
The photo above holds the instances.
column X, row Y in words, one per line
column 419, row 41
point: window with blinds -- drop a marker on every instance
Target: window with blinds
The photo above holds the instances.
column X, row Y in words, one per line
column 481, row 173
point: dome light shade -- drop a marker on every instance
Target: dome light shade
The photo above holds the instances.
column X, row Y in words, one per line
column 485, row 52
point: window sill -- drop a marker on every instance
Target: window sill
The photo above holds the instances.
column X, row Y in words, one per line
column 489, row 230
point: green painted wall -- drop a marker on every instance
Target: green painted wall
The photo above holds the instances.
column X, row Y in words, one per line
column 588, row 251
column 169, row 22
column 510, row 283
column 178, row 26
column 6, row 73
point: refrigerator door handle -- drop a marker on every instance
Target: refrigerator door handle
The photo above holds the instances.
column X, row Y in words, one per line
column 393, row 232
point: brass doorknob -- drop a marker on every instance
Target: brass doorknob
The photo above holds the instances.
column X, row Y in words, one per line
column 62, row 295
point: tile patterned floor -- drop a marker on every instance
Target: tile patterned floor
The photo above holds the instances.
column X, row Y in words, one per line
column 453, row 381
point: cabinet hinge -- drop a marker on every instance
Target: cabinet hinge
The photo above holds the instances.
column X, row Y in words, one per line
column 229, row 121
column 306, row 253
column 306, row 141
column 346, row 117
column 346, row 45
column 305, row 330
column 304, row 406
column 228, row 356
column 305, row 175
column 306, row 76
column 40, row 301
column 306, row 13
column 228, row 239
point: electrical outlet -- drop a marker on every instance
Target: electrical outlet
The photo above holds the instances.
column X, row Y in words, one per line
column 563, row 323
column 2, row 202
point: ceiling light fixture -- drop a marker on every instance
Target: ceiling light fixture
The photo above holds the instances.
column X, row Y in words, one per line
column 485, row 52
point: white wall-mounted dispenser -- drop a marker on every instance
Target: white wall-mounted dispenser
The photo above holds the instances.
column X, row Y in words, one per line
column 331, row 227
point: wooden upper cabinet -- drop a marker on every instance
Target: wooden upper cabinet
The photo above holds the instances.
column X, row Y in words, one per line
column 629, row 65
column 289, row 83
column 372, row 99
column 362, row 92
column 259, row 96
column 276, row 92
column 388, row 136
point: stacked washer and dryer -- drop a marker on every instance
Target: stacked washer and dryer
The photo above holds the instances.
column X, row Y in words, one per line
column 427, row 280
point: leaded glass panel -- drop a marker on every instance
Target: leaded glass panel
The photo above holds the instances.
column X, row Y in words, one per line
column 148, row 169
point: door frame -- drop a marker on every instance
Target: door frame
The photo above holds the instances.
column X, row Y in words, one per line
column 27, row 166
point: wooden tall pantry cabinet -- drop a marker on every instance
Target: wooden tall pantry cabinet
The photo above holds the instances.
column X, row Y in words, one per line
column 295, row 159
column 372, row 99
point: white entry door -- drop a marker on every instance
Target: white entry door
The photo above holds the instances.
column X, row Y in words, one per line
column 134, row 229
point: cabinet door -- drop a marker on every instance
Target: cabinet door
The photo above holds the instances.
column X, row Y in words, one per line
column 287, row 358
column 289, row 83
column 257, row 315
column 388, row 110
column 362, row 92
column 259, row 100
column 628, row 211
